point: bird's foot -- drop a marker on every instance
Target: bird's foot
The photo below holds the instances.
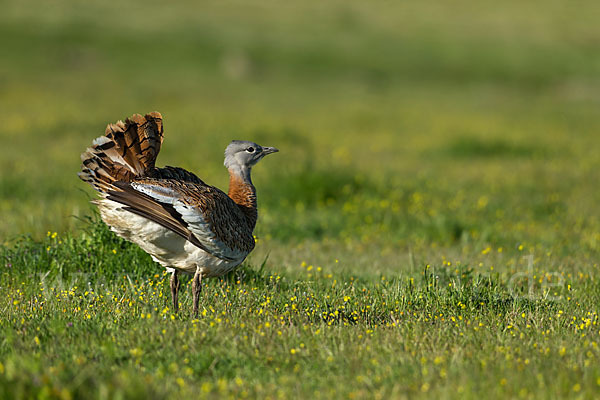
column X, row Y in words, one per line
column 175, row 283
column 196, row 289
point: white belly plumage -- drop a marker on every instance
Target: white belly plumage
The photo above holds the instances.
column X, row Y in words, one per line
column 165, row 246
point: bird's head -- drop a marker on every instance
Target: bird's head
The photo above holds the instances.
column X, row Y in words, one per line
column 242, row 155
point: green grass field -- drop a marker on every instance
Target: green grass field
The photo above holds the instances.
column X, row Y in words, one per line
column 429, row 229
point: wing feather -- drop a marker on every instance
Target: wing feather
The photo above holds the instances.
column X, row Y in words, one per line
column 202, row 214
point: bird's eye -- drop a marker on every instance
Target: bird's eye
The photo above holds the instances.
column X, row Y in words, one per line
column 250, row 149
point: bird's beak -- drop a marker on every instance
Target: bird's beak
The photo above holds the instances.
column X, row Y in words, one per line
column 269, row 150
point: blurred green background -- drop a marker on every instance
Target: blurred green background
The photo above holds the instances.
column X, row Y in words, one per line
column 426, row 149
column 399, row 123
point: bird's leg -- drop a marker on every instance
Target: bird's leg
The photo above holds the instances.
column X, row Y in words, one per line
column 196, row 289
column 175, row 290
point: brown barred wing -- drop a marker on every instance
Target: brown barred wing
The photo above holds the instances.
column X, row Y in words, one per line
column 176, row 173
column 202, row 214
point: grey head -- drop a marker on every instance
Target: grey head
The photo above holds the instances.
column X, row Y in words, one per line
column 242, row 155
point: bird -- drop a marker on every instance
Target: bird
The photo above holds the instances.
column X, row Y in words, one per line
column 186, row 225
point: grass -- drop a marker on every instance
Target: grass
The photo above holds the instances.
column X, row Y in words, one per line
column 88, row 316
column 430, row 227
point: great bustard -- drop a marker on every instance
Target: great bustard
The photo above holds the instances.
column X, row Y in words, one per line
column 183, row 223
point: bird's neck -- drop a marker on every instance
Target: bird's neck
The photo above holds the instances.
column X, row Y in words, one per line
column 243, row 193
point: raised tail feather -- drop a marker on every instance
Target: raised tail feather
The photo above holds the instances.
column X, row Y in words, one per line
column 128, row 151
